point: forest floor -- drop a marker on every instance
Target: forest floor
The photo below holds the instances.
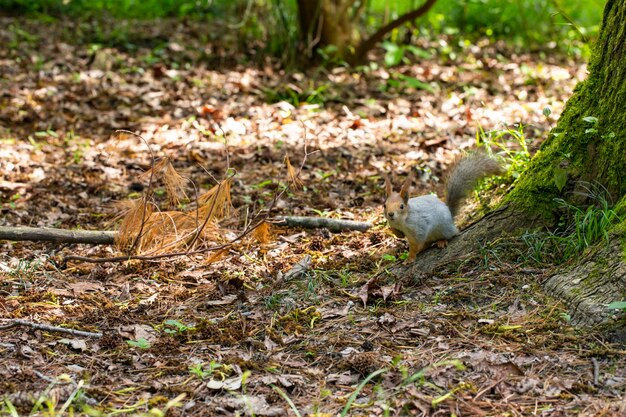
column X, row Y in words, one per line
column 243, row 331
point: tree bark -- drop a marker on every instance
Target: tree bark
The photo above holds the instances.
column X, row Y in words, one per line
column 327, row 22
column 589, row 286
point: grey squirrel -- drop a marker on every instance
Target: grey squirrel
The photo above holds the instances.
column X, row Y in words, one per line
column 426, row 219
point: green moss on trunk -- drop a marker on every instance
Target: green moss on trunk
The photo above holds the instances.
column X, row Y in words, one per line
column 589, row 142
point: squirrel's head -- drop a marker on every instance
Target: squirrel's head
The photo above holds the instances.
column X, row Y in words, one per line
column 397, row 204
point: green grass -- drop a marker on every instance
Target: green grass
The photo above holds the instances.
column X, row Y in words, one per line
column 524, row 22
column 580, row 228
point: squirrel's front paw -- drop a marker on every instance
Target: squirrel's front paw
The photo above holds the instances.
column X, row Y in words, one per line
column 442, row 243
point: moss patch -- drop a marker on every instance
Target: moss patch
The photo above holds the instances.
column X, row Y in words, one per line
column 589, row 142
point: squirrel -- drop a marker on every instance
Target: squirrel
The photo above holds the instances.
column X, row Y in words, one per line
column 426, row 219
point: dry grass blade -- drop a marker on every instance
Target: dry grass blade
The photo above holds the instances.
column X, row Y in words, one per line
column 156, row 170
column 294, row 179
column 174, row 184
column 215, row 203
column 172, row 180
column 132, row 224
column 121, row 208
column 174, row 231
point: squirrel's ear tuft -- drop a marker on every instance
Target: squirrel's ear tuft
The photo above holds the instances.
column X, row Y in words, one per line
column 388, row 187
column 404, row 191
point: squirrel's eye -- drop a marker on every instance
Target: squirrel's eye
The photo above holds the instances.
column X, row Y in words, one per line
column 401, row 206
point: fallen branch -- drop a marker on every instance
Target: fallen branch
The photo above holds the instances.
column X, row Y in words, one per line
column 100, row 237
column 48, row 328
column 334, row 225
column 56, row 235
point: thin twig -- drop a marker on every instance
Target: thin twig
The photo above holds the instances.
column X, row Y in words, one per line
column 596, row 370
column 48, row 328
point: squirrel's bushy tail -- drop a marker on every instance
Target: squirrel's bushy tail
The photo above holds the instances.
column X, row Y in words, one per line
column 464, row 176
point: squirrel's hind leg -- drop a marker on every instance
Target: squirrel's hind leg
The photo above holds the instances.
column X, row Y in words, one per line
column 442, row 243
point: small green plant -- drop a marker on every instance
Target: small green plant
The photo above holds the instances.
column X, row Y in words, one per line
column 565, row 317
column 617, row 305
column 359, row 388
column 579, row 229
column 583, row 227
column 176, row 327
column 283, row 301
column 140, row 343
column 331, row 57
column 296, row 95
column 73, row 143
column 202, row 371
column 536, row 244
column 401, row 82
column 26, row 269
column 512, row 144
column 387, row 257
column 396, row 54
column 286, row 398
column 20, row 37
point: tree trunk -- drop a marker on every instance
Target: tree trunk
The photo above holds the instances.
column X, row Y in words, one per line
column 586, row 149
column 588, row 144
column 333, row 22
column 327, row 22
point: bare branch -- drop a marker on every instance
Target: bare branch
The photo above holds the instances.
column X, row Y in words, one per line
column 334, row 225
column 48, row 328
column 96, row 237
column 365, row 46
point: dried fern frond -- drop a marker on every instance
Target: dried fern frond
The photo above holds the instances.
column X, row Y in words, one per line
column 296, row 182
column 262, row 233
column 216, row 202
column 131, row 224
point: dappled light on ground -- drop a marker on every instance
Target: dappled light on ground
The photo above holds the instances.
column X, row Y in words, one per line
column 281, row 308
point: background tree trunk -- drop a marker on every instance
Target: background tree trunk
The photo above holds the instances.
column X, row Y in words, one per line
column 587, row 147
column 327, row 22
column 334, row 22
